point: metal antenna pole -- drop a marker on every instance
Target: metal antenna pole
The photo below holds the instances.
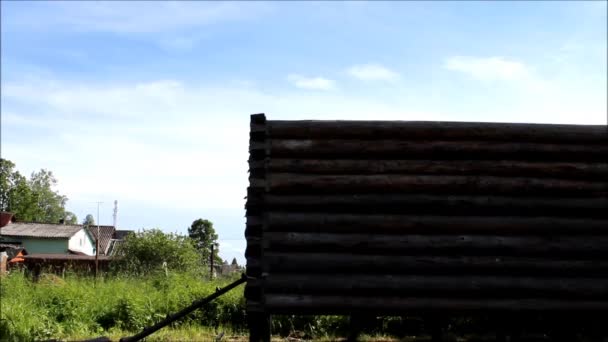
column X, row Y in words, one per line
column 97, row 243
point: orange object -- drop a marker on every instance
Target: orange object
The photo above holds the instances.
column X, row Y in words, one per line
column 17, row 258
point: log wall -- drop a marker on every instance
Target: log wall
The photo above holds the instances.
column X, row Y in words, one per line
column 392, row 217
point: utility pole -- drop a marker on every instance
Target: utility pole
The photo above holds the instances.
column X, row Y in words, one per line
column 97, row 243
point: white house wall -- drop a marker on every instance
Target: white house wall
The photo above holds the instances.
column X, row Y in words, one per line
column 82, row 242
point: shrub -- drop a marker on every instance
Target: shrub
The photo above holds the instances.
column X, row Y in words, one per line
column 152, row 251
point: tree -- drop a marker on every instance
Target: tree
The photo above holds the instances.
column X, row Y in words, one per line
column 50, row 204
column 234, row 263
column 89, row 220
column 7, row 183
column 204, row 236
column 70, row 218
column 15, row 193
column 147, row 251
column 33, row 199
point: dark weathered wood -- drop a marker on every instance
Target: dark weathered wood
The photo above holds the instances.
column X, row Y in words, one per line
column 253, row 290
column 438, row 217
column 290, row 262
column 410, row 224
column 258, row 146
column 257, row 119
column 259, row 326
column 439, row 244
column 420, row 204
column 257, row 183
column 453, row 285
column 325, row 184
column 293, row 303
column 567, row 170
column 449, row 150
column 254, row 247
column 437, row 130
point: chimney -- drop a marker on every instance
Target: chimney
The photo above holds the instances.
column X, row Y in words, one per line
column 5, row 218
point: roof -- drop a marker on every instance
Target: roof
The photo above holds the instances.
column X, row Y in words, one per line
column 114, row 247
column 105, row 235
column 121, row 234
column 45, row 256
column 40, row 230
column 4, row 246
column 12, row 250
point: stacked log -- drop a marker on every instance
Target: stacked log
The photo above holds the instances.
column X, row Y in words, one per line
column 394, row 217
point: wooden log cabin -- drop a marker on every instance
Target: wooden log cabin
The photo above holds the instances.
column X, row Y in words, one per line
column 426, row 218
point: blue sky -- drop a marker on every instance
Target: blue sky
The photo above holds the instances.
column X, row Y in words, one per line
column 149, row 102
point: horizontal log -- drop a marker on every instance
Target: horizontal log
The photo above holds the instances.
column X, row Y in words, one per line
column 254, row 248
column 286, row 262
column 566, row 170
column 436, row 205
column 436, row 285
column 448, row 150
column 286, row 303
column 258, row 146
column 435, row 130
column 253, row 231
column 297, row 183
column 258, row 119
column 416, row 224
column 437, row 244
column 257, row 182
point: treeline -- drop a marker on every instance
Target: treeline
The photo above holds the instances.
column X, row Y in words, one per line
column 32, row 199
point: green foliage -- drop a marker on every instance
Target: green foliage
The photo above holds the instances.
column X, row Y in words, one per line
column 81, row 307
column 152, row 251
column 49, row 203
column 70, row 218
column 89, row 220
column 204, row 236
column 33, row 199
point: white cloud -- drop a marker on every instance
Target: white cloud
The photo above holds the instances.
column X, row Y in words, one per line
column 179, row 145
column 315, row 83
column 488, row 68
column 372, row 72
column 165, row 143
column 130, row 17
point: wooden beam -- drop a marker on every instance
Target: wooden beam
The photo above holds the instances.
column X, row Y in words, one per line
column 566, row 170
column 431, row 224
column 360, row 184
column 448, row 150
column 425, row 130
column 371, row 243
column 422, row 204
column 436, row 285
column 293, row 303
column 289, row 262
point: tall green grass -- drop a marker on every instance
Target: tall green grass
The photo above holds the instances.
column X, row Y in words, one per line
column 77, row 307
column 56, row 307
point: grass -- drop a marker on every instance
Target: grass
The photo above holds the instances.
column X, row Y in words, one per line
column 77, row 308
column 82, row 307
